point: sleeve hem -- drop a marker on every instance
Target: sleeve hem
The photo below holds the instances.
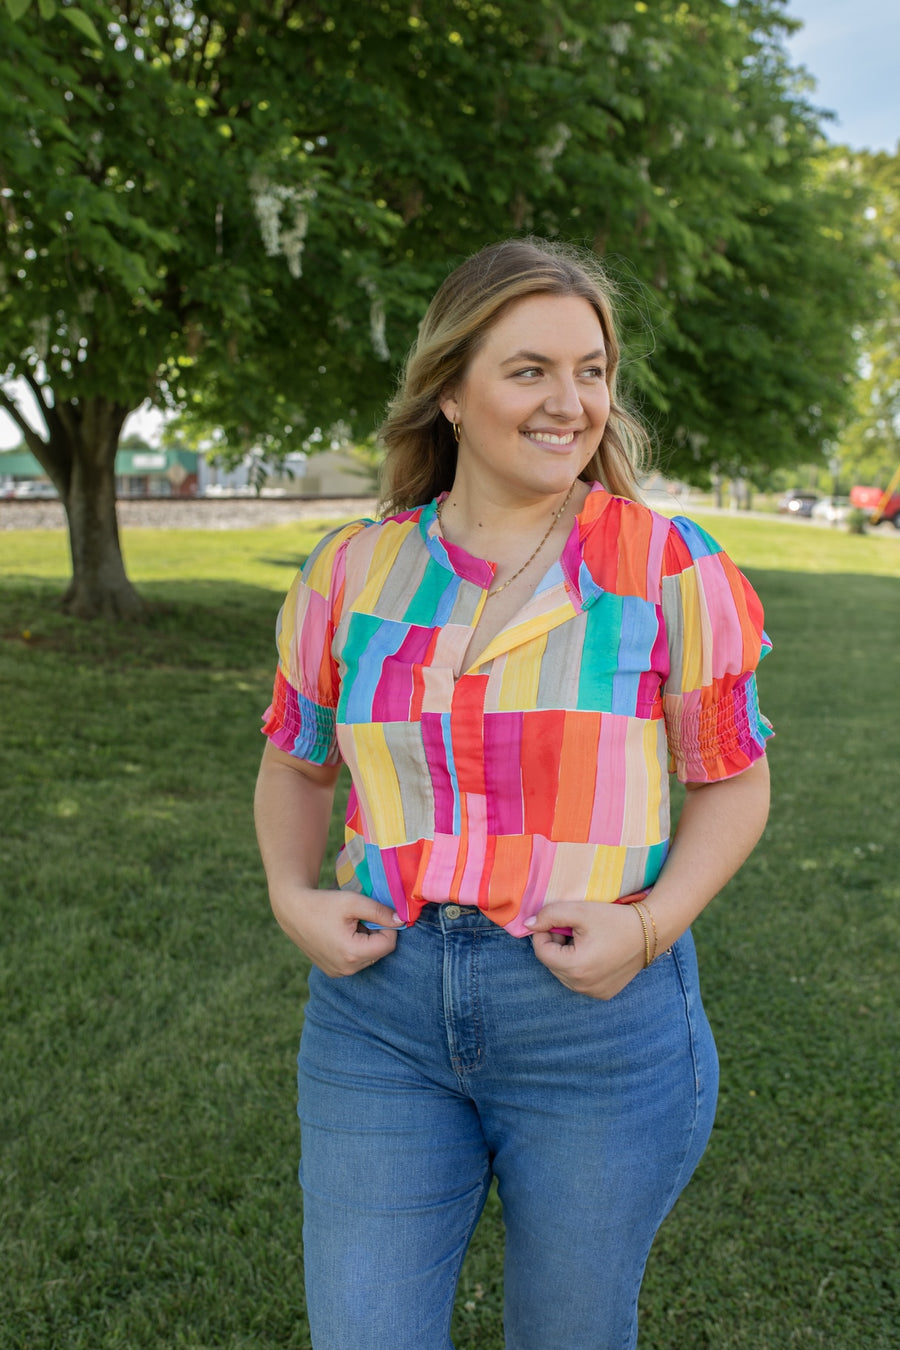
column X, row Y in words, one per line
column 708, row 744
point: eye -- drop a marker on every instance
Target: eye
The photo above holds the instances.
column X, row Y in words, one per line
column 595, row 372
column 528, row 373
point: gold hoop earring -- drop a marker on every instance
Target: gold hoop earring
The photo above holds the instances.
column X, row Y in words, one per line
column 456, row 431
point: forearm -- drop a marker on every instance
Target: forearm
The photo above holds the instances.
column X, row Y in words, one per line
column 292, row 810
column 719, row 827
column 292, row 807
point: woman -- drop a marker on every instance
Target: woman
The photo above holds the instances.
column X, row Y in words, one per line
column 504, row 982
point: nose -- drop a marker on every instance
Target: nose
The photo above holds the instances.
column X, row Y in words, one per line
column 563, row 400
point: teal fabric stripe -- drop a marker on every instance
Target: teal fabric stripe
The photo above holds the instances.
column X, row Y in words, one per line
column 355, row 703
column 656, row 856
column 600, row 653
column 315, row 739
column 434, row 598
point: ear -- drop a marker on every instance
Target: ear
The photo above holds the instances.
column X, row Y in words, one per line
column 449, row 405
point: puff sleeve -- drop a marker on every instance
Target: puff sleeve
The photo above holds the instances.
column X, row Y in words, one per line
column 715, row 637
column 301, row 716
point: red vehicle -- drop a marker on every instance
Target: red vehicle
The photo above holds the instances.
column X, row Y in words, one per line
column 880, row 504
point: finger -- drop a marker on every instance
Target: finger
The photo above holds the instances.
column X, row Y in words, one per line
column 375, row 915
column 371, row 945
column 555, row 938
column 560, row 914
column 552, row 949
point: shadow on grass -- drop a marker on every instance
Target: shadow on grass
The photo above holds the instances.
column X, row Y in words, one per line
column 151, row 1007
column 194, row 623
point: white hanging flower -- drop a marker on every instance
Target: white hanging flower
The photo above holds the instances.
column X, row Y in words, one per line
column 269, row 201
column 547, row 154
column 619, row 33
column 376, row 319
column 40, row 336
column 292, row 240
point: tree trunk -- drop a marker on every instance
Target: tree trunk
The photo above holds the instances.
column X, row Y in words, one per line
column 99, row 587
column 80, row 457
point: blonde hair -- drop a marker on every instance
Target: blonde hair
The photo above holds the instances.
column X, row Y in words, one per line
column 420, row 458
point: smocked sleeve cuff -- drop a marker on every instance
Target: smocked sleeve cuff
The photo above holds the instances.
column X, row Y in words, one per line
column 300, row 726
column 713, row 741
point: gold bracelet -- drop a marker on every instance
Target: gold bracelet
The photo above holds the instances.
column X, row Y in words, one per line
column 649, row 913
column 637, row 909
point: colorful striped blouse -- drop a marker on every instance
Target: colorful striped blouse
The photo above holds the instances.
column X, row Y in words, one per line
column 540, row 772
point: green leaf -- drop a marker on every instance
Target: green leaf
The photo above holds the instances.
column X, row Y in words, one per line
column 85, row 26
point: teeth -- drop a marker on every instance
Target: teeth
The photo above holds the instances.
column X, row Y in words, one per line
column 549, row 438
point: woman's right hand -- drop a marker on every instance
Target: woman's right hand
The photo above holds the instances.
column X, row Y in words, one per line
column 293, row 807
column 328, row 927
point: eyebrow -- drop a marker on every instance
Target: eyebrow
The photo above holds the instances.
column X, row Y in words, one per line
column 548, row 361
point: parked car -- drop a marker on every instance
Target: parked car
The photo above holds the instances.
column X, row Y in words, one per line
column 833, row 509
column 869, row 499
column 34, row 487
column 798, row 503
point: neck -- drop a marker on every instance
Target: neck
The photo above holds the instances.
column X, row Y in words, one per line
column 506, row 551
column 471, row 514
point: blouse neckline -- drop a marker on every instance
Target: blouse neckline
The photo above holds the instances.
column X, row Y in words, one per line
column 480, row 571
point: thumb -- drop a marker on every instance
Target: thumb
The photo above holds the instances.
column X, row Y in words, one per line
column 376, row 915
column 558, row 914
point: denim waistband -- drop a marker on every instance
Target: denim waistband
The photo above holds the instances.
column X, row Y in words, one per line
column 451, row 918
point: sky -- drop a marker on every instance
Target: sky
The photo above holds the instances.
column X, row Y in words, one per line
column 852, row 50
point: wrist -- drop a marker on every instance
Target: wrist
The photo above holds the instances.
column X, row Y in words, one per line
column 649, row 931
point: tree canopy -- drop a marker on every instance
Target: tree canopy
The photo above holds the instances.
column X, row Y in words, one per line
column 240, row 211
column 870, row 446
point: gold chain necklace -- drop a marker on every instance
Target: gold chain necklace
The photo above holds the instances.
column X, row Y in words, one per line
column 527, row 561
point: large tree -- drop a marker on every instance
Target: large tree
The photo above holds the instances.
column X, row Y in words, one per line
column 238, row 210
column 870, row 446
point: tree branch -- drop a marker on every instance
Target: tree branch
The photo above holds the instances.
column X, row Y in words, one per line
column 11, row 407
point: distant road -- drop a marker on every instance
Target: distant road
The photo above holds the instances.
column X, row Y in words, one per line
column 193, row 513
column 246, row 513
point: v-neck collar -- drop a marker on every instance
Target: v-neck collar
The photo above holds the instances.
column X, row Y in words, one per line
column 555, row 599
column 480, row 572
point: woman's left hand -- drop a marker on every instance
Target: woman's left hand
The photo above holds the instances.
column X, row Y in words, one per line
column 604, row 953
column 719, row 824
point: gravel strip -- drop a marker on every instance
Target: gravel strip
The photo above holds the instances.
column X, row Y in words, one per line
column 194, row 513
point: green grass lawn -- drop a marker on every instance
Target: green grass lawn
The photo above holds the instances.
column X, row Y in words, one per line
column 151, row 1007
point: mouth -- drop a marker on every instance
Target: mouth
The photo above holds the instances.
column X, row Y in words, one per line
column 562, row 438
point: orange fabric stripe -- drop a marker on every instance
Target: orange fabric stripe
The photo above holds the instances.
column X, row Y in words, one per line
column 631, row 572
column 577, row 777
column 462, row 850
column 512, row 863
column 418, row 680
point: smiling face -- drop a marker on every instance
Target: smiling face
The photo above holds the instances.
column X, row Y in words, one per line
column 534, row 402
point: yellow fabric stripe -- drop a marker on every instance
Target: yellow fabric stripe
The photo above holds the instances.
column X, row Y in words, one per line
column 375, row 775
column 521, row 677
column 383, row 559
column 650, row 737
column 511, row 638
column 607, row 870
column 692, row 670
column 318, row 575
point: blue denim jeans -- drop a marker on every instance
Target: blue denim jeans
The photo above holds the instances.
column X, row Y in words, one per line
column 459, row 1058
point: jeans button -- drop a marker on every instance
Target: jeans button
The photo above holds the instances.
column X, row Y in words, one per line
column 452, row 911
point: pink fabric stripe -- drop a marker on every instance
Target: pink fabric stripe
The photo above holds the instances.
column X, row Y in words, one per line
column 441, row 780
column 659, row 534
column 394, row 692
column 476, row 818
column 728, row 648
column 608, row 814
column 438, row 878
column 503, row 772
